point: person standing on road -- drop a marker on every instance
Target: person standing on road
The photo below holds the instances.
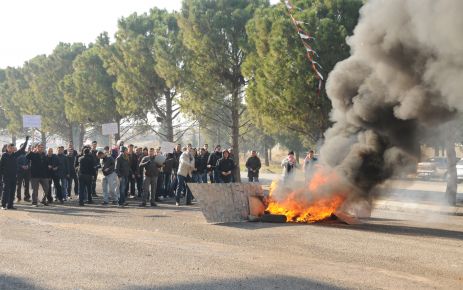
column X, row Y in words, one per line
column 94, row 152
column 24, row 177
column 225, row 167
column 201, row 166
column 109, row 182
column 289, row 165
column 185, row 171
column 123, row 172
column 177, row 153
column 139, row 173
column 253, row 165
column 151, row 168
column 63, row 172
column 39, row 173
column 9, row 172
column 309, row 164
column 72, row 157
column 53, row 177
column 86, row 173
column 168, row 168
column 206, row 156
column 133, row 161
column 212, row 163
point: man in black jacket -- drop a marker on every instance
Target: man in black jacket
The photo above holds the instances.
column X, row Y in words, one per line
column 133, row 162
column 52, row 174
column 87, row 170
column 212, row 163
column 9, row 171
column 123, row 172
column 151, row 177
column 63, row 172
column 94, row 153
column 253, row 165
column 39, row 173
column 201, row 166
column 24, row 177
column 72, row 157
column 109, row 182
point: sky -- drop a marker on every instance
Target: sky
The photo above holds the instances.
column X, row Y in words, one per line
column 32, row 27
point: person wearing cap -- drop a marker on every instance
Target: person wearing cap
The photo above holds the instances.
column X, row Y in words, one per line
column 309, row 164
column 123, row 172
column 289, row 165
column 253, row 165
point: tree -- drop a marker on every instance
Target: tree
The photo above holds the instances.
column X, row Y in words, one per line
column 215, row 35
column 12, row 85
column 44, row 75
column 89, row 93
column 143, row 72
column 282, row 86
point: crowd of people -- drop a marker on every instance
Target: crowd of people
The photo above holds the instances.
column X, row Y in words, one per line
column 142, row 173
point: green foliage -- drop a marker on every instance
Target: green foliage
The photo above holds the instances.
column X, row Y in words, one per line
column 12, row 84
column 88, row 92
column 145, row 60
column 282, row 87
column 44, row 96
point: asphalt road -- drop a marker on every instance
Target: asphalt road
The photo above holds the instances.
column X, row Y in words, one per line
column 168, row 247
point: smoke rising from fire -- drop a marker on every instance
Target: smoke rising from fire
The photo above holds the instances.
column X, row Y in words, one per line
column 404, row 77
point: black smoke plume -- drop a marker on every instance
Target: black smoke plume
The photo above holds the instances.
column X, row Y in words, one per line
column 404, row 77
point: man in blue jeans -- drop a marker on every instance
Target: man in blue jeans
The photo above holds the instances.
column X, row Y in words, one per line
column 123, row 171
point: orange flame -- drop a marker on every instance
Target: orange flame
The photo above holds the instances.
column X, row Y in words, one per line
column 318, row 201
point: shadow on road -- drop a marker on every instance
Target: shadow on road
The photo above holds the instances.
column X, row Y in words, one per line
column 258, row 225
column 276, row 282
column 10, row 282
column 402, row 230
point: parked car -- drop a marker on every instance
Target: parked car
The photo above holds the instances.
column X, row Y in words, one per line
column 460, row 170
column 435, row 167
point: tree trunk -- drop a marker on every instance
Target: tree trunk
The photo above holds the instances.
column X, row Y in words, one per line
column 13, row 138
column 297, row 155
column 236, row 132
column 117, row 136
column 44, row 138
column 71, row 134
column 81, row 136
column 451, row 191
column 270, row 154
column 266, row 155
column 168, row 121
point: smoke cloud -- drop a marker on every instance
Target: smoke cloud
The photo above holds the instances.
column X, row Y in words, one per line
column 404, row 77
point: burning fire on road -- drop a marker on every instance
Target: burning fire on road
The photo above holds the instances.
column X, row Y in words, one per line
column 317, row 200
